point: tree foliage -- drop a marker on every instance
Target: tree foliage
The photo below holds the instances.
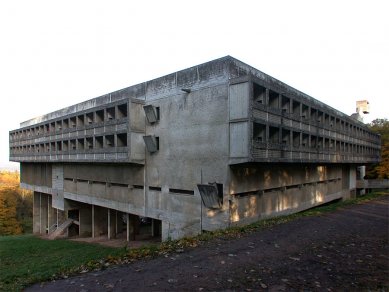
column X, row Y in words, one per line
column 15, row 205
column 8, row 218
column 381, row 170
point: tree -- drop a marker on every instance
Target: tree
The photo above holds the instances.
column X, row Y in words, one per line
column 8, row 218
column 15, row 205
column 380, row 170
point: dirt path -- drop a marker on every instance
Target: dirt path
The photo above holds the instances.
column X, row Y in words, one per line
column 343, row 250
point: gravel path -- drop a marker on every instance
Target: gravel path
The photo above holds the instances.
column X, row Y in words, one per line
column 343, row 250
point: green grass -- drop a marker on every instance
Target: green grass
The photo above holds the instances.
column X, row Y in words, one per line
column 27, row 259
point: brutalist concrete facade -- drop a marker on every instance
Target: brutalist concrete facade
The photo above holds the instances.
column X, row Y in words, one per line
column 204, row 148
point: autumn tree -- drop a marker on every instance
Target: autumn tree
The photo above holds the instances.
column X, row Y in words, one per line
column 380, row 170
column 8, row 205
column 15, row 205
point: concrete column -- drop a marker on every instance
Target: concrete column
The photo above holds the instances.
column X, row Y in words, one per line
column 119, row 222
column 36, row 209
column 44, row 213
column 86, row 220
column 100, row 221
column 128, row 226
column 155, row 227
column 93, row 221
column 40, row 213
column 116, row 219
column 109, row 223
column 51, row 214
column 134, row 224
column 48, row 214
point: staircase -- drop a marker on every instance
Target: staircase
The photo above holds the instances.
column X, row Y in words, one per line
column 61, row 228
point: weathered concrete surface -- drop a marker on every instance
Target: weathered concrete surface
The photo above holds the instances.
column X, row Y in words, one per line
column 273, row 149
column 346, row 250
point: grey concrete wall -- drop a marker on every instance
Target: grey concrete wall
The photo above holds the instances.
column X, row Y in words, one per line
column 193, row 135
column 57, row 186
column 262, row 191
column 125, row 174
column 36, row 174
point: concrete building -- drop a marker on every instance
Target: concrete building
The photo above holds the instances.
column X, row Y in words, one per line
column 204, row 148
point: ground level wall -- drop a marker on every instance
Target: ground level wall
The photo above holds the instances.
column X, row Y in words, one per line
column 254, row 192
column 268, row 190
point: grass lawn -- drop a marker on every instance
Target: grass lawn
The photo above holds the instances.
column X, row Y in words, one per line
column 26, row 259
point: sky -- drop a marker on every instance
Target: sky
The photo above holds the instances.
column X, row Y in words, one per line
column 54, row 54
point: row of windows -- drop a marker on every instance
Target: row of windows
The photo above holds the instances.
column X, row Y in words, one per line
column 98, row 142
column 288, row 138
column 288, row 106
column 77, row 121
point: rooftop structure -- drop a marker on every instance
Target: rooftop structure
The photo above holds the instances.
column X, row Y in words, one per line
column 204, row 148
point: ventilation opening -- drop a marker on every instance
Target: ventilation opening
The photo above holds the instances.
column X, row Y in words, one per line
column 180, row 191
column 155, row 188
column 118, row 185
